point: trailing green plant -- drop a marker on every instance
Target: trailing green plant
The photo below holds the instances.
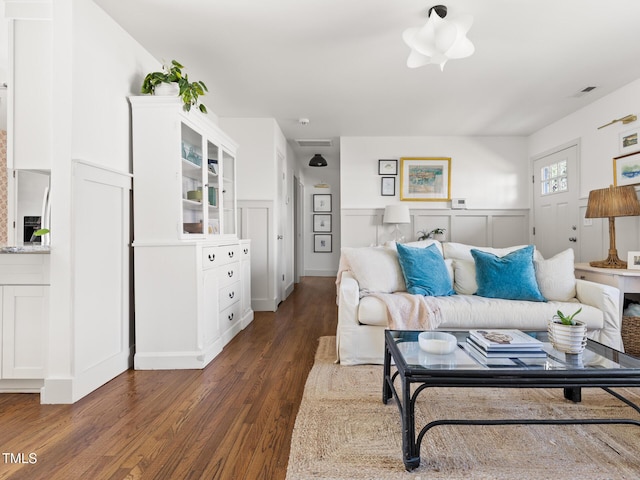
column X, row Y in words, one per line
column 424, row 235
column 567, row 319
column 189, row 91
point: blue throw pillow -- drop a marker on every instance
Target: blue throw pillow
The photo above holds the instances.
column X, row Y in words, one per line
column 512, row 277
column 424, row 270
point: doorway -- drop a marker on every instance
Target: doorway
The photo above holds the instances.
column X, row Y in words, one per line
column 555, row 201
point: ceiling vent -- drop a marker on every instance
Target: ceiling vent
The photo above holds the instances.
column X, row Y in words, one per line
column 584, row 91
column 313, row 143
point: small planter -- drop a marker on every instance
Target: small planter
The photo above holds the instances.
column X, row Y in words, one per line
column 568, row 338
column 167, row 89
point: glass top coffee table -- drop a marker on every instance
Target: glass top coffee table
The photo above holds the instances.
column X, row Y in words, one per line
column 598, row 366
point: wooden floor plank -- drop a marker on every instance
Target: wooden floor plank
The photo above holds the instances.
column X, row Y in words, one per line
column 233, row 420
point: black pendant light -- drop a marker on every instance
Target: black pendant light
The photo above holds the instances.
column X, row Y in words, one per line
column 317, row 161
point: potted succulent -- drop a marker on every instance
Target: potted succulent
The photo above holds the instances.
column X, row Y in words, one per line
column 567, row 334
column 171, row 81
column 436, row 234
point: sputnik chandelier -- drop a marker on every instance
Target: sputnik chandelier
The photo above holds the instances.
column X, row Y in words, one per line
column 440, row 39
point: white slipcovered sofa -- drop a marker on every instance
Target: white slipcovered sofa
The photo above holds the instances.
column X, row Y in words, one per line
column 367, row 272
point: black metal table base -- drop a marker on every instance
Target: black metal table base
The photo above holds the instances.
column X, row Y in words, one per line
column 411, row 444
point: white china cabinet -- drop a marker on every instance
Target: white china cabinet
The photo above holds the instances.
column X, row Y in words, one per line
column 188, row 280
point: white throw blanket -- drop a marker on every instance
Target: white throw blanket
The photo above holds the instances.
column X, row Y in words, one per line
column 410, row 312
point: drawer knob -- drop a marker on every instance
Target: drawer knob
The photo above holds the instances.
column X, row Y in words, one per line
column 212, row 257
column 230, row 273
column 232, row 294
column 246, row 251
column 231, row 254
column 230, row 317
column 582, row 277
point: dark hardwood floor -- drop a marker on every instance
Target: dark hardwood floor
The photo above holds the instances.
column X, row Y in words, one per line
column 232, row 420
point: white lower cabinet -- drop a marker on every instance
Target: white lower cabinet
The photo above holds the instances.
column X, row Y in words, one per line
column 187, row 299
column 24, row 298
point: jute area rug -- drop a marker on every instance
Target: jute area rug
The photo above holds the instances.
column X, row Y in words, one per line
column 344, row 431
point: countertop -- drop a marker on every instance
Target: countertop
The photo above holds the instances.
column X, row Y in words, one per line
column 26, row 249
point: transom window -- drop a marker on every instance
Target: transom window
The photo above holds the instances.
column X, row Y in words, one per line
column 553, row 178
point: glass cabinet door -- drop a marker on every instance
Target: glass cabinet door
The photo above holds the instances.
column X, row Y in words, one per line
column 229, row 192
column 192, row 182
column 213, row 189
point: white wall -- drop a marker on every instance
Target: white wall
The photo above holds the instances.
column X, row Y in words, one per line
column 598, row 147
column 489, row 172
column 96, row 65
column 256, row 138
column 321, row 264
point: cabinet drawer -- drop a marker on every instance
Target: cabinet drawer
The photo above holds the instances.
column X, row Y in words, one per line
column 229, row 295
column 229, row 273
column 597, row 277
column 229, row 315
column 229, row 253
column 211, row 257
column 219, row 255
column 24, row 269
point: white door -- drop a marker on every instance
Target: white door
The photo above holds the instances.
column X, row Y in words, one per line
column 555, row 198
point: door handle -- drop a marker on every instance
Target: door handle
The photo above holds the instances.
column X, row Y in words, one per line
column 573, row 239
column 280, row 237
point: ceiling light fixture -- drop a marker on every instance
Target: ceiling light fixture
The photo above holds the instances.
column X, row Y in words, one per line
column 317, row 161
column 440, row 39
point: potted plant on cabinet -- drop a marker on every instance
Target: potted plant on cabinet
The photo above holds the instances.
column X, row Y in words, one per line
column 567, row 334
column 171, row 81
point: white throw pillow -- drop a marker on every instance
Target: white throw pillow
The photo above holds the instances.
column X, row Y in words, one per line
column 464, row 278
column 376, row 269
column 555, row 276
column 417, row 244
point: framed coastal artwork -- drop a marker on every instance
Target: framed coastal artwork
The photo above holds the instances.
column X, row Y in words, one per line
column 626, row 169
column 629, row 141
column 425, row 179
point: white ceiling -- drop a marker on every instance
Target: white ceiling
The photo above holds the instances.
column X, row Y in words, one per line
column 342, row 63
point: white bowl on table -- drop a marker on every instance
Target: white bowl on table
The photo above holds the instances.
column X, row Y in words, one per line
column 439, row 343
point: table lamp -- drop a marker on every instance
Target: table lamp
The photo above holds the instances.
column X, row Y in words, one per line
column 610, row 203
column 396, row 214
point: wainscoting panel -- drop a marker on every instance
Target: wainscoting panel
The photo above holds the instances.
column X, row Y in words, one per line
column 362, row 227
column 256, row 220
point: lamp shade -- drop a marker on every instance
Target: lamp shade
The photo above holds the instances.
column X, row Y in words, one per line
column 396, row 214
column 613, row 202
column 317, row 161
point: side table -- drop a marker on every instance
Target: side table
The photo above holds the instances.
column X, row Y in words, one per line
column 625, row 280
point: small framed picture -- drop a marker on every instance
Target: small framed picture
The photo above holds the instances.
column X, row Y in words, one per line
column 387, row 167
column 322, row 202
column 626, row 169
column 322, row 222
column 322, row 243
column 388, row 186
column 629, row 141
column 633, row 261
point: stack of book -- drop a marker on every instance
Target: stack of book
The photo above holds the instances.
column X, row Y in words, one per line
column 499, row 343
